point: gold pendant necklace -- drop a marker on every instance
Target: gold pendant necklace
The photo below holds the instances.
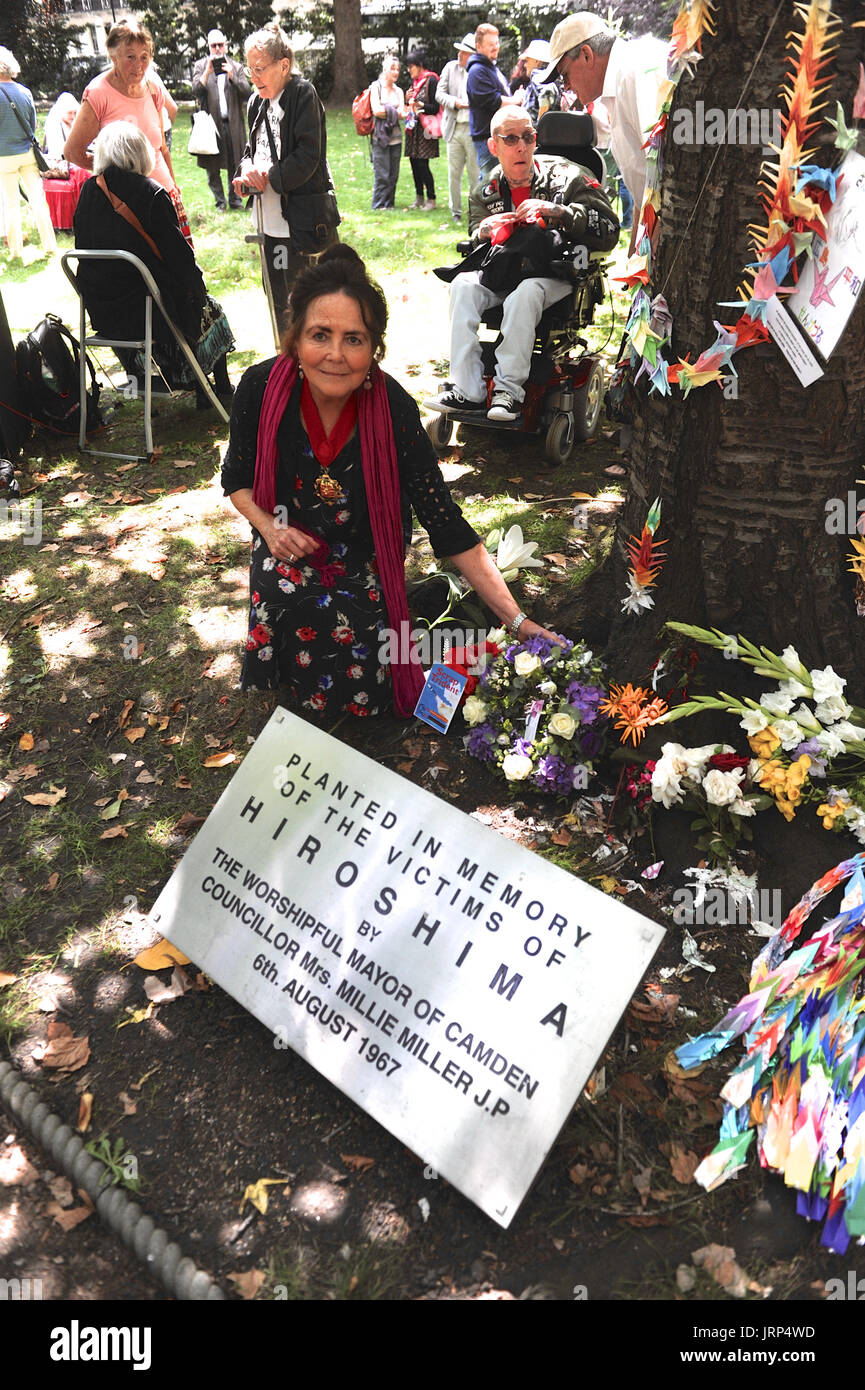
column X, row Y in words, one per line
column 329, row 490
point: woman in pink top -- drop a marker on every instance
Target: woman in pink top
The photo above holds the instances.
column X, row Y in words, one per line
column 125, row 93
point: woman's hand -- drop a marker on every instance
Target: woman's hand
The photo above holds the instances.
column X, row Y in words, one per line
column 256, row 179
column 286, row 542
column 529, row 629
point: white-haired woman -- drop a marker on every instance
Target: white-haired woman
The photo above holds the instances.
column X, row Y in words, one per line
column 285, row 162
column 127, row 93
column 388, row 105
column 18, row 162
column 124, row 208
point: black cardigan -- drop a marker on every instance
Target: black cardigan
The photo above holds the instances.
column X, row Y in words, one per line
column 302, row 177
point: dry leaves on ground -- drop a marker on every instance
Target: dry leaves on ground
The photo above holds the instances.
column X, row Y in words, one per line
column 357, row 1162
column 160, row 955
column 256, row 1193
column 64, row 1051
column 249, row 1282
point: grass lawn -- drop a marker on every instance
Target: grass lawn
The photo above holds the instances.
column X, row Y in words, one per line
column 137, row 592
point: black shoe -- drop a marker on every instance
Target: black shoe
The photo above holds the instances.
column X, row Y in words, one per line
column 504, row 407
column 220, row 207
column 453, row 399
column 235, row 204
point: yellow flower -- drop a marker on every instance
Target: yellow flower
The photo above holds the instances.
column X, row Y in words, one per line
column 787, row 809
column 764, row 743
column 829, row 814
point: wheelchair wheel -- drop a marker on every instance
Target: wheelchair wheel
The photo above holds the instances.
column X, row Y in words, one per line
column 439, row 430
column 557, row 446
column 588, row 402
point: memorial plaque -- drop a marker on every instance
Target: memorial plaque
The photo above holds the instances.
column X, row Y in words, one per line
column 455, row 985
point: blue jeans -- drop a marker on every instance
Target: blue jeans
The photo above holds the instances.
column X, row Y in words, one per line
column 486, row 160
column 627, row 204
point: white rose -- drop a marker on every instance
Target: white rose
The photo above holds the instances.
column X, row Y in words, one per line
column 790, row 658
column 753, row 721
column 827, row 683
column 754, row 768
column 789, row 733
column 722, row 788
column 776, row 702
column 525, row 663
column 740, row 807
column 692, row 761
column 503, row 739
column 474, row 710
column 562, row 725
column 547, row 687
column 516, row 767
column 666, row 786
column 831, row 710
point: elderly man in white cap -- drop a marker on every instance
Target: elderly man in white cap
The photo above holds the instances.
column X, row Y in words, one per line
column 220, row 86
column 540, row 96
column 451, row 97
column 624, row 74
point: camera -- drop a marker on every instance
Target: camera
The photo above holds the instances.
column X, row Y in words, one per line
column 218, row 65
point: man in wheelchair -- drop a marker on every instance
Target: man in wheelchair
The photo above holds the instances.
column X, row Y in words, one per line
column 534, row 210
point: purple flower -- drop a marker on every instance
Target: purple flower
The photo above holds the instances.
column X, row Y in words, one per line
column 554, row 774
column 813, row 749
column 591, row 743
column 522, row 745
column 481, row 742
column 586, row 699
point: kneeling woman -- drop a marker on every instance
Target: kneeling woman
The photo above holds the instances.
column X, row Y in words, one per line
column 327, row 456
column 123, row 209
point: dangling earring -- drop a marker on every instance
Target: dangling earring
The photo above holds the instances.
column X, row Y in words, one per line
column 300, row 371
column 367, row 382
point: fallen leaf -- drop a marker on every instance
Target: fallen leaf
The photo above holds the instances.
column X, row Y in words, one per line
column 69, row 1219
column 357, row 1162
column 248, row 1283
column 59, row 1030
column 219, row 760
column 135, row 734
column 161, row 993
column 46, row 798
column 16, row 1170
column 187, row 823
column 683, row 1163
column 170, row 741
column 212, row 741
column 137, row 1015
column 53, row 880
column 85, row 1111
column 111, row 811
column 561, row 837
column 117, row 758
column 25, row 742
column 61, row 1190
column 183, row 783
column 145, row 776
column 130, row 1106
column 7, row 979
column 92, row 718
column 114, row 832
column 188, row 463
column 160, row 955
column 582, row 496
column 578, row 1173
column 67, row 1054
column 119, row 607
column 556, row 559
column 256, row 1193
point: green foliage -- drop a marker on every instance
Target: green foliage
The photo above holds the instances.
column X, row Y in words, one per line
column 180, row 27
column 121, row 1166
column 37, row 33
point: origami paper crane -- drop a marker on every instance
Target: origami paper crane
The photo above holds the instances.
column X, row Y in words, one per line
column 845, row 139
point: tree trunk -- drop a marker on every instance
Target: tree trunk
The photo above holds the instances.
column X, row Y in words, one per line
column 349, row 70
column 744, row 483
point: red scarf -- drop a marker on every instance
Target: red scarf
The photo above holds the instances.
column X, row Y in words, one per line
column 381, row 480
column 418, row 84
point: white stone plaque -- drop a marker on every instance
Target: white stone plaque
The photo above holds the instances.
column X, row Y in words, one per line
column 456, row 986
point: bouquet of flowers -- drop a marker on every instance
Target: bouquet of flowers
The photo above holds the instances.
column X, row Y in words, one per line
column 717, row 783
column 535, row 717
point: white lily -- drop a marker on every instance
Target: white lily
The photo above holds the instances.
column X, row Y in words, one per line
column 514, row 554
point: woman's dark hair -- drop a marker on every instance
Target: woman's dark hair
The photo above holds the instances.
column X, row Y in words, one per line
column 339, row 270
column 416, row 59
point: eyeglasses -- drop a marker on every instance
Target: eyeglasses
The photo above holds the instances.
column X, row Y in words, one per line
column 527, row 137
column 256, row 73
column 216, row 45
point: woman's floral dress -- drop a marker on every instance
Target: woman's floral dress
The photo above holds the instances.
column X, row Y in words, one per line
column 324, row 642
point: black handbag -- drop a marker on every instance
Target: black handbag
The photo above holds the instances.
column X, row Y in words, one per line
column 41, row 162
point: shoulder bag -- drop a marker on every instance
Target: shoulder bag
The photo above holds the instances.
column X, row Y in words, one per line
column 41, row 161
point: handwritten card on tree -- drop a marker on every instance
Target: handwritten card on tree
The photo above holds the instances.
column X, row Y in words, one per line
column 453, row 984
column 831, row 280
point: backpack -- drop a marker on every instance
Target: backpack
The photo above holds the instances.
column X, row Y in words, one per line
column 48, row 378
column 361, row 112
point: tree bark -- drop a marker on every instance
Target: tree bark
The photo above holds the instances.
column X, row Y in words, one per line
column 349, row 70
column 744, row 483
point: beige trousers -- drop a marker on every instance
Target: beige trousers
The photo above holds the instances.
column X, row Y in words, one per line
column 19, row 170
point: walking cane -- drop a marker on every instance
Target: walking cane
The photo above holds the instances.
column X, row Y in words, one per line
column 257, row 238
